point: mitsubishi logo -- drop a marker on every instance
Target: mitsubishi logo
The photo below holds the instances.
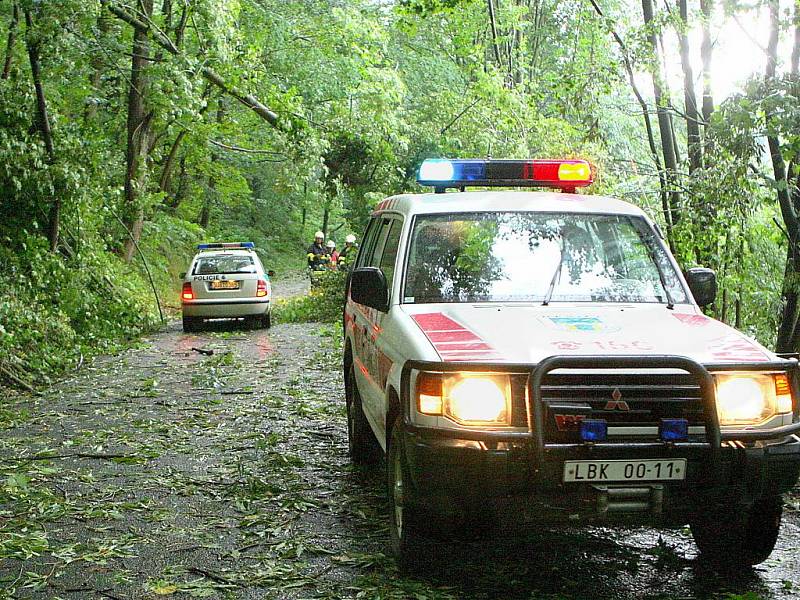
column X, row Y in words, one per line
column 616, row 402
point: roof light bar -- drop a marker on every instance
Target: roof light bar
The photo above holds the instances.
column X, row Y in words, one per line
column 442, row 173
column 228, row 245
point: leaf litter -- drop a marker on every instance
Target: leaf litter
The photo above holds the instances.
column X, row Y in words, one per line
column 167, row 472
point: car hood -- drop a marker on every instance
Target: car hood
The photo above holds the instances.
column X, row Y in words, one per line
column 530, row 333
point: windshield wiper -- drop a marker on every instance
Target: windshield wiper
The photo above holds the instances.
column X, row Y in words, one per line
column 662, row 279
column 556, row 275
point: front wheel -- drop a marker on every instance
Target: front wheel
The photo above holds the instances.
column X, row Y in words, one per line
column 361, row 443
column 731, row 539
column 406, row 521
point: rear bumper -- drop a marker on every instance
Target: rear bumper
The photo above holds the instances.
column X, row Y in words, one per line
column 222, row 309
column 447, row 472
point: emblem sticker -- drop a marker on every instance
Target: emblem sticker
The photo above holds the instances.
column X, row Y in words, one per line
column 594, row 324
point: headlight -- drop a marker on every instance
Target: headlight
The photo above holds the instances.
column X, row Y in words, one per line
column 466, row 398
column 748, row 399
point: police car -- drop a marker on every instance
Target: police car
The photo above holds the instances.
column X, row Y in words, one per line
column 226, row 281
column 536, row 357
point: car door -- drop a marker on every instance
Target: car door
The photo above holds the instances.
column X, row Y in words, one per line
column 380, row 250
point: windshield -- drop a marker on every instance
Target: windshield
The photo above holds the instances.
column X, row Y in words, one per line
column 224, row 264
column 538, row 257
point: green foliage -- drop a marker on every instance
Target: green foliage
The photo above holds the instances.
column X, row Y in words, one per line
column 324, row 303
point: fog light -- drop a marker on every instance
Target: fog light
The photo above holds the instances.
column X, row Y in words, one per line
column 594, row 430
column 673, row 430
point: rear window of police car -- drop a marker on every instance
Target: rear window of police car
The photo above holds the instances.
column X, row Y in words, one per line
column 224, row 264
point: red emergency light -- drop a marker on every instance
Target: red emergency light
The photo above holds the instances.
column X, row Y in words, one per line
column 566, row 175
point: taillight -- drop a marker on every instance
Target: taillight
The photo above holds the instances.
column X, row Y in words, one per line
column 261, row 290
column 187, row 293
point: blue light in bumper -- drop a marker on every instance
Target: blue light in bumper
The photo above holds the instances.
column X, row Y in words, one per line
column 594, row 430
column 673, row 430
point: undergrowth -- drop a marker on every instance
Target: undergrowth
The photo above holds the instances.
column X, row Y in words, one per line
column 323, row 304
column 56, row 310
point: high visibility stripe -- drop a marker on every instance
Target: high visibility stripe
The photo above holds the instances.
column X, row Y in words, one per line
column 452, row 341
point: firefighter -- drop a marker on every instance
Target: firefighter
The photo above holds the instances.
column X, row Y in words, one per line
column 333, row 254
column 348, row 254
column 317, row 254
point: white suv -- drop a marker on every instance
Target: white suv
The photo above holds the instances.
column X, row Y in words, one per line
column 527, row 357
column 226, row 281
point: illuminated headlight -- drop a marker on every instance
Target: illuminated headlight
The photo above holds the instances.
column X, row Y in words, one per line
column 748, row 399
column 466, row 398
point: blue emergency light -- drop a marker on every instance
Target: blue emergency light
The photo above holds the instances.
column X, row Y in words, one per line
column 226, row 245
column 594, row 430
column 443, row 173
column 673, row 430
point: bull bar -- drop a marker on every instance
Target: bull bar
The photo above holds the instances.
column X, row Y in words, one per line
column 534, row 435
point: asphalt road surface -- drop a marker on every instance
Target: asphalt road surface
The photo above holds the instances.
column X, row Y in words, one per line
column 166, row 472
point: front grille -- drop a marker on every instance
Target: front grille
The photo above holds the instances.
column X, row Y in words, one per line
column 621, row 399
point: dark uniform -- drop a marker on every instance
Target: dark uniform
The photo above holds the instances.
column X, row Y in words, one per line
column 317, row 256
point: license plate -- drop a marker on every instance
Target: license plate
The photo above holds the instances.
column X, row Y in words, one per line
column 224, row 284
column 624, row 470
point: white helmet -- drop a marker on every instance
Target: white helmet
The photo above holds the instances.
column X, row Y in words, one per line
column 318, row 235
column 350, row 239
column 331, row 244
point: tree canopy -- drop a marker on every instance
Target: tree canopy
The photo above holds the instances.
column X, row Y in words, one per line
column 130, row 130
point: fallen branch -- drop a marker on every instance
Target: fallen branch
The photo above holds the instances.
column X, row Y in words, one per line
column 16, row 379
column 82, row 455
column 240, row 149
column 163, row 40
column 212, row 576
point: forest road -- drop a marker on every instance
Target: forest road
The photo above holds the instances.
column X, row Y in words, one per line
column 166, row 472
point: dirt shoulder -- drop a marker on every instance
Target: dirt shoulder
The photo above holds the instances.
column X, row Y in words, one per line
column 166, row 472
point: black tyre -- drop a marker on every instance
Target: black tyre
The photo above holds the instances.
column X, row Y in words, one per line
column 406, row 521
column 190, row 324
column 731, row 539
column 266, row 321
column 362, row 445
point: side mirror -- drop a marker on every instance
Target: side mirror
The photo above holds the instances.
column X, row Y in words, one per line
column 182, row 275
column 368, row 287
column 270, row 273
column 703, row 284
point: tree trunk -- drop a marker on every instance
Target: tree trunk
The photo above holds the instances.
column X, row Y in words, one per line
column 166, row 173
column 493, row 25
column 96, row 61
column 325, row 216
column 180, row 193
column 787, row 339
column 12, row 37
column 664, row 121
column 139, row 136
column 211, row 193
column 706, row 49
column 43, row 124
column 695, row 150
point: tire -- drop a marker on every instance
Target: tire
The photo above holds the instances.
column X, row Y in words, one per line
column 729, row 539
column 189, row 324
column 266, row 321
column 361, row 443
column 406, row 521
